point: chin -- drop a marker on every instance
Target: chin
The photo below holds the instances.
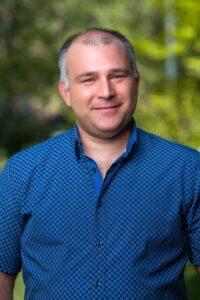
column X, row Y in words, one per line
column 109, row 132
column 114, row 126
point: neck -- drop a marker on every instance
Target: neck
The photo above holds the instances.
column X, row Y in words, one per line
column 104, row 151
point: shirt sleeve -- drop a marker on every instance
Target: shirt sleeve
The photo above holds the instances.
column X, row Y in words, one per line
column 10, row 224
column 193, row 220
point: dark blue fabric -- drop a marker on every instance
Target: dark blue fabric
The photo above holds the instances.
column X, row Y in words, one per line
column 94, row 167
column 97, row 179
column 133, row 242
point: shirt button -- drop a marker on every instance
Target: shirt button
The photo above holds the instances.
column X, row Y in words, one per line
column 99, row 204
column 98, row 243
column 98, row 284
column 93, row 170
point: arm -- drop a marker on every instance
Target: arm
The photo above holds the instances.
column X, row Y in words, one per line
column 198, row 270
column 10, row 234
column 6, row 286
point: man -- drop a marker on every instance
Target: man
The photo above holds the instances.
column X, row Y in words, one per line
column 104, row 210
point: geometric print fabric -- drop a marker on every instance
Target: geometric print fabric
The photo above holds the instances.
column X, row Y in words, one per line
column 133, row 242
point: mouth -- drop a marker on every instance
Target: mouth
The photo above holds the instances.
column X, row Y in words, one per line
column 107, row 108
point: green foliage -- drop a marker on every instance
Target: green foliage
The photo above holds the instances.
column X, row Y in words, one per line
column 2, row 161
column 166, row 37
column 19, row 288
column 165, row 34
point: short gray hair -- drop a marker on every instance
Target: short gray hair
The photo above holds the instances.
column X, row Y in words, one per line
column 95, row 36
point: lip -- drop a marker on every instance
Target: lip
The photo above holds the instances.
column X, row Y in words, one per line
column 107, row 108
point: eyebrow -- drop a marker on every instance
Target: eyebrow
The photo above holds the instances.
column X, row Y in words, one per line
column 120, row 70
column 115, row 70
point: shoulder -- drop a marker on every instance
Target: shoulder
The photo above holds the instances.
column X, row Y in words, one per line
column 157, row 143
column 39, row 155
column 36, row 152
column 176, row 162
column 160, row 151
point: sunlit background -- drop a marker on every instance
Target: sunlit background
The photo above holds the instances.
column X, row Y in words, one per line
column 165, row 34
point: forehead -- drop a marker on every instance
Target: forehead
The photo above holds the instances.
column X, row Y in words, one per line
column 81, row 54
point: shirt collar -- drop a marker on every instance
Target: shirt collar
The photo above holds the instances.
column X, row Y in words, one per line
column 132, row 140
column 130, row 145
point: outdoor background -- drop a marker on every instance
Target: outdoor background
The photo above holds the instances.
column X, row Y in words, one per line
column 166, row 36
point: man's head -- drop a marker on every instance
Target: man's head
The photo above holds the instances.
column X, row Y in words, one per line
column 99, row 81
column 95, row 36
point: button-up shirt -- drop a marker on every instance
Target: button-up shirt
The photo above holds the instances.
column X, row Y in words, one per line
column 130, row 240
column 97, row 179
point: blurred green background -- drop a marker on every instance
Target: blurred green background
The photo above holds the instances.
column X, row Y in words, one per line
column 165, row 34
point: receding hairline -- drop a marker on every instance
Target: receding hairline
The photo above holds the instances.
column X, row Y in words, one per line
column 95, row 38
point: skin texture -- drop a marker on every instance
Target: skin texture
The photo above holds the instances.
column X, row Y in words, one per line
column 6, row 286
column 102, row 93
column 198, row 270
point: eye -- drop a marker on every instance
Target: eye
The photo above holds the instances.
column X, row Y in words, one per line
column 87, row 80
column 118, row 76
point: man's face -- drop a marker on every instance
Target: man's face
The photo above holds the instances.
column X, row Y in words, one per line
column 102, row 90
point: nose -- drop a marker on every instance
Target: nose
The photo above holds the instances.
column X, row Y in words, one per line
column 106, row 89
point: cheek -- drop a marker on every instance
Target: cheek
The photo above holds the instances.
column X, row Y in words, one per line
column 128, row 93
column 88, row 93
column 81, row 97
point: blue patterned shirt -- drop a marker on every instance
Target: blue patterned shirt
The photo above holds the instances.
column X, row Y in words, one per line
column 93, row 165
column 131, row 242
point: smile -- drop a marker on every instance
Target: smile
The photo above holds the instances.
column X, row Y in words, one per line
column 107, row 107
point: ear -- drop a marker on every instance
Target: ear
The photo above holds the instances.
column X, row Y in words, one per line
column 64, row 92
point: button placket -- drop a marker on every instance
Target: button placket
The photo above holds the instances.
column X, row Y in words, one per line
column 98, row 243
column 100, row 251
column 98, row 284
column 93, row 170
